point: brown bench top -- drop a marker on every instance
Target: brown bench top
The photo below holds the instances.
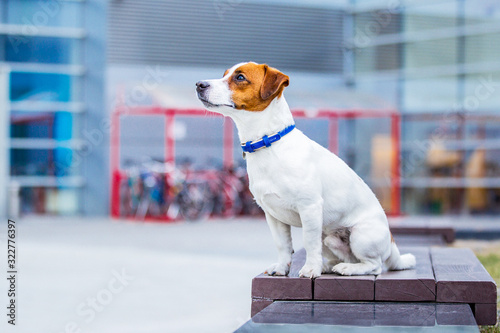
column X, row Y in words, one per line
column 447, row 275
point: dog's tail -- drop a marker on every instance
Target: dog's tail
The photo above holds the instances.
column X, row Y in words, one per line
column 397, row 262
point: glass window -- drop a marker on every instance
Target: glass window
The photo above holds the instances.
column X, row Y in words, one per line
column 419, row 17
column 481, row 12
column 378, row 58
column 49, row 200
column 58, row 162
column 482, row 48
column 482, row 92
column 426, row 142
column 46, row 125
column 32, row 125
column 42, row 129
column 36, row 14
column 430, row 94
column 44, row 87
column 385, row 87
column 371, row 24
column 41, row 50
column 440, row 52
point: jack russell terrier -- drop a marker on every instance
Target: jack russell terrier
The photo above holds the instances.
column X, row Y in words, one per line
column 299, row 183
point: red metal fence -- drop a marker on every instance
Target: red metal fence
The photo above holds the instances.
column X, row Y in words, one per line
column 169, row 114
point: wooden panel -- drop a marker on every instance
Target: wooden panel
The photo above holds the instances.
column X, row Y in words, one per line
column 422, row 227
column 289, row 287
column 409, row 285
column 259, row 304
column 332, row 287
column 461, row 278
column 486, row 314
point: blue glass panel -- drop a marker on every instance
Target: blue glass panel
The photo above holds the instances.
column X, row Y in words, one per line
column 44, row 13
column 31, row 162
column 31, row 125
column 40, row 50
column 40, row 87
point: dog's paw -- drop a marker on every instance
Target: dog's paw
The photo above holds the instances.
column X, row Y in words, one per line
column 309, row 271
column 328, row 266
column 356, row 269
column 343, row 269
column 278, row 269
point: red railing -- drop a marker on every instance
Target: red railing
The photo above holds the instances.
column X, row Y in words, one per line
column 333, row 116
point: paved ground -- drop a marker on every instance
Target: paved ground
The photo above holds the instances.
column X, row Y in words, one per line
column 118, row 276
column 99, row 275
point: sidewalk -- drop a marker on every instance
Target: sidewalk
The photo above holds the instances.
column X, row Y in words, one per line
column 100, row 275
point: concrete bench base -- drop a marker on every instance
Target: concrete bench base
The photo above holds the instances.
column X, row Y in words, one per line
column 316, row 316
column 442, row 275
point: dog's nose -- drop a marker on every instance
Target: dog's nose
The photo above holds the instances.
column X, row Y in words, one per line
column 202, row 85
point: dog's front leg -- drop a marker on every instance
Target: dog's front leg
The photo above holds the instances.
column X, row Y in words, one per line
column 311, row 217
column 283, row 240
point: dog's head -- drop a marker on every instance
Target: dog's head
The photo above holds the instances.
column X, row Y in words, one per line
column 245, row 86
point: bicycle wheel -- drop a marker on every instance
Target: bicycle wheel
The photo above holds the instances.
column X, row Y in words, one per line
column 194, row 201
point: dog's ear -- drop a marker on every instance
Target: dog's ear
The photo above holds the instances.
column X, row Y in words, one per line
column 274, row 82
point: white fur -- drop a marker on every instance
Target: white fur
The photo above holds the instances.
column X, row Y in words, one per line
column 299, row 183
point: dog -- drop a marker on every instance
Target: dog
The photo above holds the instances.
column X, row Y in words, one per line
column 299, row 183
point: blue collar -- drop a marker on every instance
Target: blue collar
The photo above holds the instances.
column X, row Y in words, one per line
column 253, row 146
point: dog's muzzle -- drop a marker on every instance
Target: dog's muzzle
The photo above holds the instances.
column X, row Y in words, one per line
column 202, row 88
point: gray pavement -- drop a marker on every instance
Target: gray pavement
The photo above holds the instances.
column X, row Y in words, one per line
column 99, row 275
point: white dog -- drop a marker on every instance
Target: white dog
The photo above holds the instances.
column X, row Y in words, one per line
column 299, row 183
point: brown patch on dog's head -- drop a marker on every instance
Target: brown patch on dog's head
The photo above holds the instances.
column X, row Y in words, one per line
column 255, row 86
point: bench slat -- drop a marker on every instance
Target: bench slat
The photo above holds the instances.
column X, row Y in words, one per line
column 331, row 287
column 266, row 289
column 461, row 278
column 405, row 227
column 411, row 285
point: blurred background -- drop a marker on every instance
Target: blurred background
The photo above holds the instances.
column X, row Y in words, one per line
column 100, row 119
column 99, row 95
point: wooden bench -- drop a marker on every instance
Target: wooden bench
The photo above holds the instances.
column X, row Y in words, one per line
column 442, row 275
column 428, row 229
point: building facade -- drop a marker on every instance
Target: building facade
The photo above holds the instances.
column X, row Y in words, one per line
column 66, row 62
column 53, row 54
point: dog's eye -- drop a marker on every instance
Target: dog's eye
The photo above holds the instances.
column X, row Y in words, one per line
column 240, row 77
